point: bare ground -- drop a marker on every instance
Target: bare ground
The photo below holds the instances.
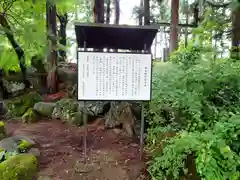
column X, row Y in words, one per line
column 110, row 156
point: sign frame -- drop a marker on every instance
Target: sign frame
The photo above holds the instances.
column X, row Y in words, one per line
column 125, row 53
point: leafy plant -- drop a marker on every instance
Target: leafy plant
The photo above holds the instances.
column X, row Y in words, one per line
column 195, row 112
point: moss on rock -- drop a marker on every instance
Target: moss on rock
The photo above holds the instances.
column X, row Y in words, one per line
column 19, row 105
column 76, row 118
column 3, row 132
column 29, row 116
column 24, row 146
column 19, row 167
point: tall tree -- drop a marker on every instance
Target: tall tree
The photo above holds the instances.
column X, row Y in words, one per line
column 108, row 11
column 185, row 9
column 63, row 20
column 51, row 15
column 98, row 11
column 140, row 13
column 146, row 12
column 117, row 11
column 9, row 34
column 236, row 33
column 174, row 25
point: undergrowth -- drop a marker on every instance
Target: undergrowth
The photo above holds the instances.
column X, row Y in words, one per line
column 201, row 105
column 195, row 116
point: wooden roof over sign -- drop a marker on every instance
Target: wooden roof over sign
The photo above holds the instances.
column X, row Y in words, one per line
column 115, row 36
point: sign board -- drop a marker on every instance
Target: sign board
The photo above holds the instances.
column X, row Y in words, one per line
column 114, row 76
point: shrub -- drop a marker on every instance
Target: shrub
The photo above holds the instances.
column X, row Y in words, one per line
column 195, row 113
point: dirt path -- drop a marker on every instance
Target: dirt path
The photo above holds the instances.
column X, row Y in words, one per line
column 111, row 156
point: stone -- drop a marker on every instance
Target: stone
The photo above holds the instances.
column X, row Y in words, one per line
column 81, row 167
column 13, row 86
column 136, row 109
column 77, row 118
column 44, row 178
column 19, row 167
column 19, row 105
column 66, row 74
column 3, row 132
column 2, row 108
column 16, row 143
column 29, row 116
column 72, row 111
column 44, row 108
column 117, row 131
column 113, row 115
column 65, row 109
column 35, row 151
column 95, row 108
column 128, row 120
column 121, row 113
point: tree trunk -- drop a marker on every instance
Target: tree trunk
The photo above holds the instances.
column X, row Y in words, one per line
column 19, row 51
column 187, row 20
column 117, row 12
column 174, row 26
column 98, row 10
column 52, row 56
column 146, row 12
column 108, row 12
column 140, row 15
column 63, row 19
column 235, row 52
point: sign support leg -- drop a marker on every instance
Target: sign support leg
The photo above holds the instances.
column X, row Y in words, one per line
column 85, row 135
column 142, row 122
column 142, row 132
column 85, row 119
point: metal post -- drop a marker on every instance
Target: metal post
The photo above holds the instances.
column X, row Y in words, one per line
column 85, row 122
column 142, row 132
column 142, row 121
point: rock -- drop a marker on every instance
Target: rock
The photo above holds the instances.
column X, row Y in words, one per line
column 3, row 132
column 19, row 167
column 16, row 143
column 81, row 167
column 71, row 110
column 128, row 120
column 44, row 108
column 77, row 118
column 35, row 152
column 112, row 116
column 29, row 116
column 66, row 74
column 136, row 109
column 19, row 105
column 65, row 109
column 44, row 178
column 2, row 108
column 95, row 108
column 13, row 86
column 117, row 131
column 121, row 114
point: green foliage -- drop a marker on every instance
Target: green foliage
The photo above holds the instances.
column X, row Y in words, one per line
column 19, row 167
column 24, row 146
column 199, row 102
column 19, row 105
column 29, row 116
column 195, row 112
column 4, row 155
column 28, row 25
column 213, row 150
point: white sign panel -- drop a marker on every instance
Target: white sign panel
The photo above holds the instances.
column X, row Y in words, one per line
column 114, row 76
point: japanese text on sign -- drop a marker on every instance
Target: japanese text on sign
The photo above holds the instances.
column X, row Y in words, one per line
column 114, row 76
